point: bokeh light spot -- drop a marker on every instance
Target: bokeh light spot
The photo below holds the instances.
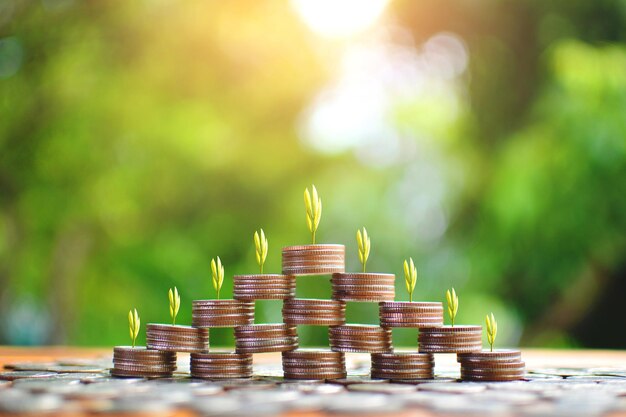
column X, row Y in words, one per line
column 339, row 18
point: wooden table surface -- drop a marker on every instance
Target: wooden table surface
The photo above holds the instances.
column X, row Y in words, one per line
column 534, row 358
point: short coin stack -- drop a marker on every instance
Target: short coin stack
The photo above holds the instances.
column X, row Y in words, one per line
column 257, row 338
column 264, row 287
column 360, row 338
column 498, row 365
column 221, row 365
column 417, row 315
column 139, row 362
column 450, row 339
column 173, row 338
column 313, row 259
column 355, row 286
column 314, row 312
column 314, row 364
column 222, row 313
column 402, row 366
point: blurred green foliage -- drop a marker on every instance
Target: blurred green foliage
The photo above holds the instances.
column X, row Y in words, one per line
column 138, row 141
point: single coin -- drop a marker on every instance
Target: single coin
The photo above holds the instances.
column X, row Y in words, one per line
column 264, row 327
column 363, row 277
column 264, row 277
column 313, row 354
column 491, row 355
column 404, row 356
column 448, row 349
column 266, row 342
column 491, row 364
column 314, row 270
column 318, row 246
column 459, row 329
column 493, row 378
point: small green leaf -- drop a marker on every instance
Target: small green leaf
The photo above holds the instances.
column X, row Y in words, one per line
column 133, row 324
column 453, row 304
column 364, row 245
column 217, row 275
column 313, row 206
column 492, row 329
column 261, row 245
column 174, row 298
column 410, row 277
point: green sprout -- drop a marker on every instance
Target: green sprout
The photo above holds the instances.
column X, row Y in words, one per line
column 453, row 304
column 313, row 205
column 217, row 271
column 260, row 242
column 174, row 303
column 410, row 277
column 133, row 323
column 492, row 329
column 364, row 246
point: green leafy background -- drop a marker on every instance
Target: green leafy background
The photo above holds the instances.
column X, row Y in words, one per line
column 140, row 139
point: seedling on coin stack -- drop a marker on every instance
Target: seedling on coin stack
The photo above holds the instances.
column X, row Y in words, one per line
column 176, row 338
column 453, row 338
column 416, row 315
column 313, row 259
column 492, row 365
column 270, row 337
column 221, row 313
column 362, row 287
column 140, row 362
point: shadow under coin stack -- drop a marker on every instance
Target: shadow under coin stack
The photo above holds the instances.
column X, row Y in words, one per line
column 497, row 365
column 305, row 260
column 140, row 362
column 362, row 287
column 208, row 314
column 271, row 337
column 407, row 365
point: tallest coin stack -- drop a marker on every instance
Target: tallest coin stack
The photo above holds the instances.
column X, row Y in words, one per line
column 321, row 259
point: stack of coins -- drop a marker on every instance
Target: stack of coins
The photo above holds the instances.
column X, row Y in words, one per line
column 354, row 286
column 221, row 365
column 402, row 366
column 360, row 338
column 264, row 287
column 314, row 364
column 257, row 338
column 314, row 312
column 313, row 259
column 222, row 313
column 139, row 362
column 450, row 339
column 173, row 338
column 417, row 315
column 499, row 365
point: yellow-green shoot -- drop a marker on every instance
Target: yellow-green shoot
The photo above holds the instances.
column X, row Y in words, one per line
column 313, row 205
column 410, row 277
column 261, row 245
column 492, row 329
column 133, row 323
column 363, row 240
column 453, row 304
column 217, row 272
column 174, row 298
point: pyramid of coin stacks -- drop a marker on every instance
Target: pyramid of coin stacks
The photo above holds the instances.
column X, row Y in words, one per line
column 158, row 359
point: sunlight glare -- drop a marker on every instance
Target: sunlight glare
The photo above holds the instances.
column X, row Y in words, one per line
column 339, row 18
